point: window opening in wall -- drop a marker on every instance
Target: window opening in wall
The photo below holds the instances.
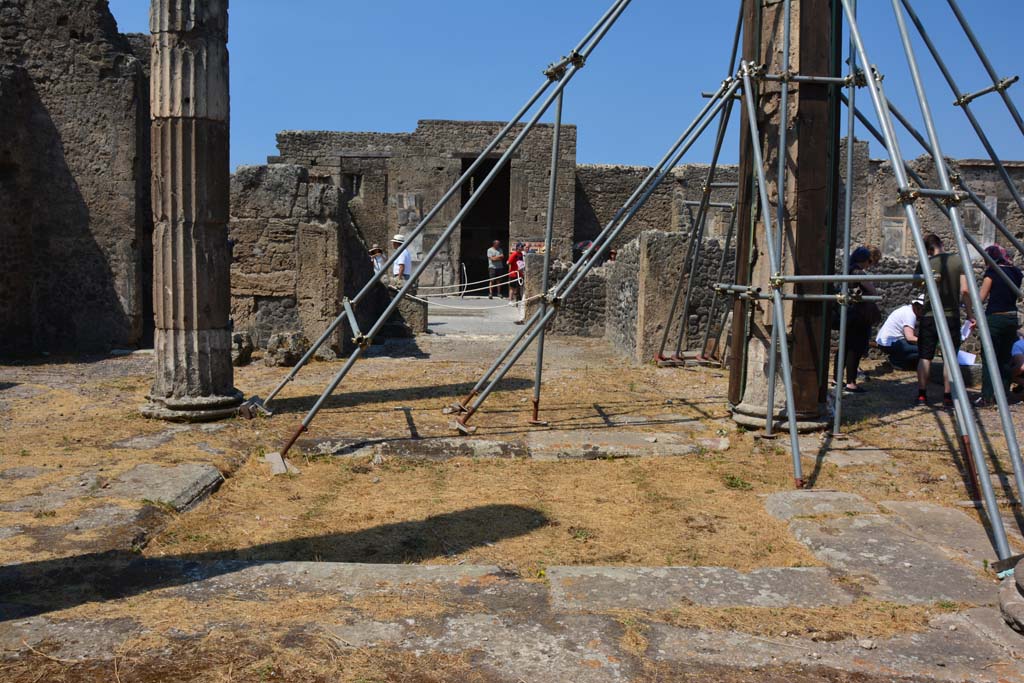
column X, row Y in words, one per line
column 978, row 224
column 352, row 184
column 894, row 236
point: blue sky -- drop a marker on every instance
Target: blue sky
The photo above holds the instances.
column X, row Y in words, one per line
column 381, row 65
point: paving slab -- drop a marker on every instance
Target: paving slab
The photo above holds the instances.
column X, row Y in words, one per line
column 605, row 443
column 21, row 473
column 56, row 496
column 947, row 529
column 895, row 565
column 147, row 441
column 840, row 452
column 181, row 486
column 949, row 650
column 787, row 505
column 660, row 588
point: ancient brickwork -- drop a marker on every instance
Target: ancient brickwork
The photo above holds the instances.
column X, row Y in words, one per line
column 295, row 256
column 601, row 190
column 391, row 181
column 583, row 313
column 623, row 298
column 84, row 155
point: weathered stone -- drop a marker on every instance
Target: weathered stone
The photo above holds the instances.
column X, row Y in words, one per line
column 660, row 588
column 148, row 441
column 947, row 529
column 241, row 349
column 898, row 566
column 285, row 349
column 181, row 487
column 56, row 496
column 191, row 283
column 787, row 505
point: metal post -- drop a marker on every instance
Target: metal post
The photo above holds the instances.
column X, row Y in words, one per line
column 586, row 262
column 773, row 257
column 844, row 311
column 991, row 362
column 965, row 106
column 997, row 83
column 602, row 26
column 945, row 339
column 546, row 275
column 721, row 273
column 564, row 76
column 780, row 216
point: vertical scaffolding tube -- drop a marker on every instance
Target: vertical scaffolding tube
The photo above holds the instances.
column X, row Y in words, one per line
column 996, row 82
column 721, row 274
column 549, row 234
column 945, row 338
column 780, row 216
column 844, row 310
column 773, row 257
column 991, row 361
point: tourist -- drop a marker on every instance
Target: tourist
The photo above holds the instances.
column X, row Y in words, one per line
column 377, row 258
column 898, row 335
column 1001, row 315
column 495, row 269
column 1016, row 367
column 516, row 265
column 876, row 255
column 860, row 318
column 402, row 268
column 952, row 284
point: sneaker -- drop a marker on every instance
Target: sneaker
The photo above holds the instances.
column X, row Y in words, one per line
column 982, row 402
column 947, row 401
column 853, row 390
column 921, row 401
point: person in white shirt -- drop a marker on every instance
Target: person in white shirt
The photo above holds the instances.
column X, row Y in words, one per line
column 402, row 268
column 898, row 334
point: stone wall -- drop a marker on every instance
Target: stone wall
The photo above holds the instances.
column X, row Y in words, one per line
column 583, row 313
column 623, row 298
column 295, row 256
column 392, row 180
column 82, row 133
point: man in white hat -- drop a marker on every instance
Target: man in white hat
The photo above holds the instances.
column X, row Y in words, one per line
column 402, row 268
column 898, row 334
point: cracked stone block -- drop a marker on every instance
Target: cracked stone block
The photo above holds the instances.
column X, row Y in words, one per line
column 897, row 566
column 657, row 588
column 946, row 528
column 787, row 505
column 181, row 486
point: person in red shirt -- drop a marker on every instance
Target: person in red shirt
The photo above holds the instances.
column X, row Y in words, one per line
column 516, row 262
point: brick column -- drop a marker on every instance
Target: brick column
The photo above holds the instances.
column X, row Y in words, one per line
column 812, row 150
column 191, row 260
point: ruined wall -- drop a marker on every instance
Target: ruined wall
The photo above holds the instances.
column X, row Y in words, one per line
column 623, row 298
column 295, row 256
column 583, row 313
column 16, row 313
column 392, row 180
column 602, row 189
column 85, row 157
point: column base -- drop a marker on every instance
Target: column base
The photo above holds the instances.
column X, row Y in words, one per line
column 754, row 417
column 199, row 409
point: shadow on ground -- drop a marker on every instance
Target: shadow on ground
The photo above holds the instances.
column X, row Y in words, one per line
column 33, row 588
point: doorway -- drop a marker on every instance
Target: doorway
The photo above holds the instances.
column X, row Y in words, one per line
column 487, row 221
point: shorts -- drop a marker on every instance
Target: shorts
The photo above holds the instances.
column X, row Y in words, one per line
column 928, row 335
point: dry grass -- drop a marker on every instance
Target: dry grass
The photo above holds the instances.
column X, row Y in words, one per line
column 517, row 514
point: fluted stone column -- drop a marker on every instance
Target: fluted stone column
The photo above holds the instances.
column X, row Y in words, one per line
column 191, row 260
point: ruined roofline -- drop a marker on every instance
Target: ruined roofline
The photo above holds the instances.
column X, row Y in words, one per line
column 970, row 163
column 462, row 122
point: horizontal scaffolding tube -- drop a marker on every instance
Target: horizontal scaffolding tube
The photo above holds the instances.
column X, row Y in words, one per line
column 714, row 205
column 881, row 277
column 818, row 80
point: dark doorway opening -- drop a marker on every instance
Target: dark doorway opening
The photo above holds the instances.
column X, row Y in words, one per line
column 487, row 220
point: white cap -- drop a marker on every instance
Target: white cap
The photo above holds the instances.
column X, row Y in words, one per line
column 400, row 238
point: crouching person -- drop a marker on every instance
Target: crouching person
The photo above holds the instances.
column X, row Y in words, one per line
column 898, row 335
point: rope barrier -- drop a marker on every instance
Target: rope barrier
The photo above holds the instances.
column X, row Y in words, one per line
column 467, row 284
column 463, row 292
column 481, row 308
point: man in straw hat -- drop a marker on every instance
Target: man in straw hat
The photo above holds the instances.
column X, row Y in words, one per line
column 402, row 268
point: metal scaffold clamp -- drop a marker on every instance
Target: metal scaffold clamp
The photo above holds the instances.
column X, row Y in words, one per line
column 955, row 198
column 556, row 71
column 907, row 195
column 777, row 281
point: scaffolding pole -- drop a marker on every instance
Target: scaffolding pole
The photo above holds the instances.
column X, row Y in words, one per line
column 945, row 338
column 561, row 74
column 712, row 308
column 594, row 253
column 1000, row 84
column 774, row 258
column 991, row 362
column 964, row 105
column 549, row 233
